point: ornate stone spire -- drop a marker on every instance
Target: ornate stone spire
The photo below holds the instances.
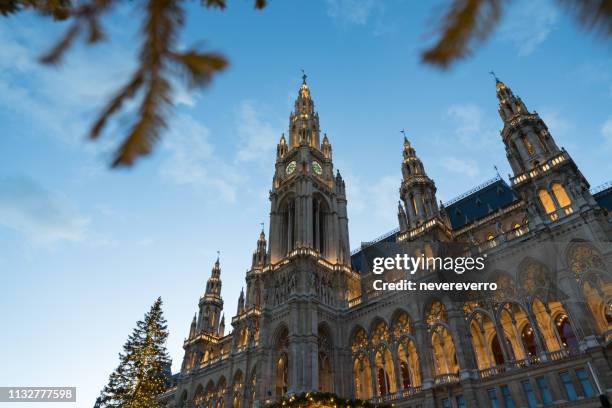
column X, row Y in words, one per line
column 525, row 135
column 211, row 304
column 213, row 285
column 304, row 121
column 260, row 254
column 418, row 191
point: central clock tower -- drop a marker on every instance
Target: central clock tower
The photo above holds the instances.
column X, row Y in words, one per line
column 308, row 201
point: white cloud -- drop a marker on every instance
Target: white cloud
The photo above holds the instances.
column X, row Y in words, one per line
column 351, row 11
column 471, row 127
column 63, row 99
column 190, row 159
column 467, row 168
column 256, row 136
column 468, row 117
column 606, row 131
column 528, row 25
column 43, row 217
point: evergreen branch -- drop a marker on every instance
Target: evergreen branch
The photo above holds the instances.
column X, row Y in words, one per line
column 466, row 21
column 200, row 67
column 594, row 15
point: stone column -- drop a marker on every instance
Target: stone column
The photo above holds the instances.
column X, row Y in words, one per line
column 424, row 352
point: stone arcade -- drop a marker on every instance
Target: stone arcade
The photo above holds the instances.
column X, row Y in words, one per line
column 309, row 320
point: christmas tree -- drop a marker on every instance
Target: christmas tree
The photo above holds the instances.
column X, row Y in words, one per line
column 139, row 379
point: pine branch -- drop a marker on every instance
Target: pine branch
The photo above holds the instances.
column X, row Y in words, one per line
column 594, row 15
column 466, row 22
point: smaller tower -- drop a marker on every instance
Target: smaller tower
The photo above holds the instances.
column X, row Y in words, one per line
column 417, row 191
column 221, row 331
column 192, row 328
column 211, row 304
column 240, row 309
column 545, row 177
column 260, row 256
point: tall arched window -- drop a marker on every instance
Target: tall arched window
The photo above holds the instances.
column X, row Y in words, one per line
column 529, row 342
column 282, row 363
column 566, row 332
column 325, row 355
column 498, row 354
column 363, row 379
column 527, row 144
column 414, row 205
column 385, row 375
column 319, row 224
column 561, row 195
column 546, row 200
column 288, row 227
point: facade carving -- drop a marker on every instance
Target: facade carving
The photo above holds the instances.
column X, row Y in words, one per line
column 308, row 319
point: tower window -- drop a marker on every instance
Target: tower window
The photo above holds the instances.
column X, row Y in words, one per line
column 414, row 205
column 546, row 200
column 527, row 144
column 561, row 195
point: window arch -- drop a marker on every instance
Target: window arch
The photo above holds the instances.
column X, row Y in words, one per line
column 410, row 373
column 445, row 356
column 288, row 225
column 320, row 212
column 282, row 363
column 385, row 374
column 325, row 351
column 566, row 332
column 363, row 378
column 560, row 195
column 546, row 201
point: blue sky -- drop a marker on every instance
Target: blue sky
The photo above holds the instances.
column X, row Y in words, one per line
column 85, row 250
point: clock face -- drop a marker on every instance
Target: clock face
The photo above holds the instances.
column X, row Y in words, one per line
column 290, row 168
column 317, row 168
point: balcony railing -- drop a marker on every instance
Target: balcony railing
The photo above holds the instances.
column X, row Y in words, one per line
column 541, row 169
column 443, row 379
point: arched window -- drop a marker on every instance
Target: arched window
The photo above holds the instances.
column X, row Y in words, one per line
column 319, row 224
column 414, row 205
column 410, row 373
column 282, row 374
column 529, row 342
column 566, row 332
column 385, row 374
column 498, row 355
column 443, row 347
column 405, row 373
column 363, row 379
column 528, row 145
column 288, row 227
column 324, row 360
column 561, row 195
column 546, row 200
column 282, row 363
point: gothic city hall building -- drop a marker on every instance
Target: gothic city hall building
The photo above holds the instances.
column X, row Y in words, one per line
column 310, row 320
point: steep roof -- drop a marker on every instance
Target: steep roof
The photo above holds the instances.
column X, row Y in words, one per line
column 479, row 202
column 604, row 196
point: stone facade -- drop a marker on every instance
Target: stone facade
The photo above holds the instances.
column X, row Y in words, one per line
column 310, row 321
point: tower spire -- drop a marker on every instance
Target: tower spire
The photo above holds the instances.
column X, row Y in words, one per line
column 417, row 191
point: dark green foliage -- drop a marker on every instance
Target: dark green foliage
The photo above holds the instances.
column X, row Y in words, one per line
column 139, row 379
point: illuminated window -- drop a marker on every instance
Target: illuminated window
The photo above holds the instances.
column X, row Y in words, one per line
column 561, row 195
column 546, row 200
column 527, row 144
column 414, row 205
